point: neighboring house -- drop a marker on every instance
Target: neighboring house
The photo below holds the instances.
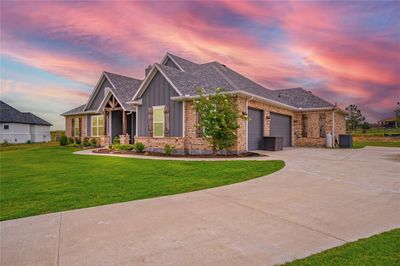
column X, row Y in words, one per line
column 158, row 110
column 21, row 127
column 387, row 122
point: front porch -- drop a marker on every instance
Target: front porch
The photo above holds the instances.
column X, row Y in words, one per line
column 117, row 123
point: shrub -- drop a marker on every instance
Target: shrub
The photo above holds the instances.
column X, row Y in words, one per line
column 116, row 140
column 74, row 145
column 70, row 140
column 169, row 149
column 139, row 147
column 28, row 142
column 5, row 143
column 63, row 140
column 94, row 142
column 78, row 141
column 123, row 147
column 86, row 142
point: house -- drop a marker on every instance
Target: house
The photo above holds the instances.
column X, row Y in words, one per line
column 158, row 110
column 21, row 127
column 388, row 122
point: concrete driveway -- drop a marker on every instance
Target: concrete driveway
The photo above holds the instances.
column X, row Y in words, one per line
column 321, row 199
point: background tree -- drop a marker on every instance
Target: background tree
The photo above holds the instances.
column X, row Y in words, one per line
column 365, row 126
column 218, row 116
column 354, row 117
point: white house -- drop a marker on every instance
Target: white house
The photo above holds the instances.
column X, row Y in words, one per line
column 21, row 127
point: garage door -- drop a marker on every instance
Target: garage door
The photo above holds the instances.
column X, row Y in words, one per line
column 255, row 131
column 280, row 126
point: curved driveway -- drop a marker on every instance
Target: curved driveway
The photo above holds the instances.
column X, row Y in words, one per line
column 321, row 199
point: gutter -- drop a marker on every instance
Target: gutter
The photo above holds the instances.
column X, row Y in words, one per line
column 259, row 98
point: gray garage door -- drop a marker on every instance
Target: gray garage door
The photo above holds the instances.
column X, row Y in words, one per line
column 255, row 131
column 280, row 126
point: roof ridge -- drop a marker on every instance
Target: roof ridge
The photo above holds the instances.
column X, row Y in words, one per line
column 122, row 75
column 226, row 78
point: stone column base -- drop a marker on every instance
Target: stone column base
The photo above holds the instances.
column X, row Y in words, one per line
column 124, row 139
column 104, row 141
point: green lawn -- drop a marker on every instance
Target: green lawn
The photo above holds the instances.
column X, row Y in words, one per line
column 382, row 249
column 362, row 144
column 378, row 132
column 43, row 178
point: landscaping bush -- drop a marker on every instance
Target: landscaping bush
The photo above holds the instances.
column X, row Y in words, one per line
column 70, row 140
column 116, row 140
column 94, row 142
column 139, row 147
column 169, row 149
column 5, row 143
column 28, row 142
column 78, row 141
column 76, row 145
column 63, row 140
column 86, row 142
column 123, row 147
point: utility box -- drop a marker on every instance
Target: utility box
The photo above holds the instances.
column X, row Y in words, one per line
column 272, row 143
column 329, row 140
column 345, row 141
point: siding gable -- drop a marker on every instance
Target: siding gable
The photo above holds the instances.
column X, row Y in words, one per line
column 171, row 63
column 159, row 92
column 98, row 98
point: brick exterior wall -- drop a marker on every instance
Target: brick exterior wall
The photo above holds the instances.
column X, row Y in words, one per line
column 313, row 127
column 192, row 144
column 68, row 125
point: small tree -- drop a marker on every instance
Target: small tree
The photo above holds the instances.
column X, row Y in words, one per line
column 218, row 118
column 354, row 117
column 365, row 126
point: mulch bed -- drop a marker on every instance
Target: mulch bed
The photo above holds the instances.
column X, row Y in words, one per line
column 159, row 154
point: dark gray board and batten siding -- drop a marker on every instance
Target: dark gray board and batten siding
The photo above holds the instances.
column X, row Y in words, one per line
column 98, row 98
column 159, row 92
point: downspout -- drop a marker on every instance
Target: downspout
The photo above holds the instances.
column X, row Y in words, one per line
column 333, row 128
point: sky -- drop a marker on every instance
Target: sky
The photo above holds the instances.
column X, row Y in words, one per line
column 348, row 52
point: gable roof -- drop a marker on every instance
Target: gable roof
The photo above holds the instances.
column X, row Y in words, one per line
column 209, row 76
column 123, row 88
column 9, row 114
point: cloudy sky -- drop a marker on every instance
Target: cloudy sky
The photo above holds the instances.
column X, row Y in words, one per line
column 52, row 53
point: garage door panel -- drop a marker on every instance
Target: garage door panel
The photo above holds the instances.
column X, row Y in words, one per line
column 255, row 130
column 280, row 126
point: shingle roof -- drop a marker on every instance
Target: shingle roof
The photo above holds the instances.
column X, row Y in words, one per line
column 9, row 114
column 214, row 74
column 301, row 98
column 76, row 110
column 125, row 87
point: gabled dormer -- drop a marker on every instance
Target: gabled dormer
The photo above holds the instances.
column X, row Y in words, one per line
column 179, row 63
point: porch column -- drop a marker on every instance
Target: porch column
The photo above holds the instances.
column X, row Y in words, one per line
column 124, row 126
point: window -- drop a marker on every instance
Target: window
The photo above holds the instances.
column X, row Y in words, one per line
column 322, row 132
column 304, row 125
column 158, row 121
column 97, row 125
column 6, row 127
column 77, row 126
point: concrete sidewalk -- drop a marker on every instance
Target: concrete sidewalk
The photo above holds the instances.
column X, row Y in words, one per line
column 321, row 199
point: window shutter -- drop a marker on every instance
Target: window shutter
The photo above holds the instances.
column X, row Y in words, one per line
column 150, row 122
column 166, row 121
column 199, row 132
column 73, row 127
